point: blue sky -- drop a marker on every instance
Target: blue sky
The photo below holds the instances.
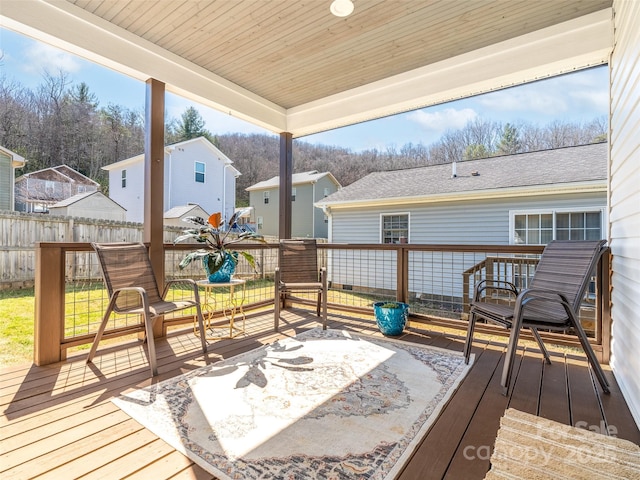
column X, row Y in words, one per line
column 576, row 97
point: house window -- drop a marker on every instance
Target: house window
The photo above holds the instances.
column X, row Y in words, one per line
column 326, row 191
column 49, row 187
column 293, row 194
column 200, row 167
column 265, row 196
column 539, row 228
column 395, row 228
column 82, row 188
column 124, row 179
column 260, row 223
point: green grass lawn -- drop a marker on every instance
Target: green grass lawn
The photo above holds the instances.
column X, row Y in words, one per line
column 85, row 307
column 16, row 327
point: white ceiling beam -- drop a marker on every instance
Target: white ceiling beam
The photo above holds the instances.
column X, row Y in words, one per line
column 566, row 47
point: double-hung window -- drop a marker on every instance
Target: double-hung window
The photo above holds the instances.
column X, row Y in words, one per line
column 395, row 228
column 124, row 179
column 265, row 196
column 540, row 227
column 199, row 171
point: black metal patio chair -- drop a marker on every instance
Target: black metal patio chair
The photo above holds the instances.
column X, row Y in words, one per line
column 551, row 302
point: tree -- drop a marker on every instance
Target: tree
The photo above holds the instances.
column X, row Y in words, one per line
column 476, row 151
column 192, row 126
column 510, row 141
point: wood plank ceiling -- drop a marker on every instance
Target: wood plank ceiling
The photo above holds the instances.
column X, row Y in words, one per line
column 294, row 52
column 290, row 65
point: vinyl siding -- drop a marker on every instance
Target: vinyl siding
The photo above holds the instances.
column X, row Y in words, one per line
column 6, row 182
column 465, row 223
column 625, row 201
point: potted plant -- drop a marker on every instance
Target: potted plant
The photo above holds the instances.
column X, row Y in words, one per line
column 391, row 317
column 218, row 259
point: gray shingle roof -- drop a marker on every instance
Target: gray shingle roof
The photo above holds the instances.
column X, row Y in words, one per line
column 547, row 167
column 297, row 179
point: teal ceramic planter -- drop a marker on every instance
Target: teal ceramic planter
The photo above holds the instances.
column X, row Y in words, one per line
column 391, row 321
column 225, row 272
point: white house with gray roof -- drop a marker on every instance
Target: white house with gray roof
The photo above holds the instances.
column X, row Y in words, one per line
column 195, row 171
column 528, row 198
column 307, row 188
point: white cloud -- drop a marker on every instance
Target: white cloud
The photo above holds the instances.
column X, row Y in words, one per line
column 527, row 99
column 442, row 120
column 40, row 57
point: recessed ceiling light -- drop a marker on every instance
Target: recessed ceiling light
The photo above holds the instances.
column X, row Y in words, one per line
column 341, row 8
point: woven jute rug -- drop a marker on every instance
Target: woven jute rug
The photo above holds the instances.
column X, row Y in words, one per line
column 322, row 405
column 532, row 448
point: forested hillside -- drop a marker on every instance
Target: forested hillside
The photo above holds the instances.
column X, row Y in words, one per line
column 61, row 123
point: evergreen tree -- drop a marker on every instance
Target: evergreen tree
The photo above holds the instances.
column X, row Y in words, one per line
column 192, row 126
column 510, row 141
column 476, row 151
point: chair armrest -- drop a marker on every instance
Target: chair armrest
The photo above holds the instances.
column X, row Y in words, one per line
column 189, row 281
column 168, row 284
column 540, row 295
column 490, row 284
column 544, row 295
column 139, row 290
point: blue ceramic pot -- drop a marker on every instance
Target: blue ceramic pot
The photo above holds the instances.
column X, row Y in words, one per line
column 391, row 321
column 225, row 272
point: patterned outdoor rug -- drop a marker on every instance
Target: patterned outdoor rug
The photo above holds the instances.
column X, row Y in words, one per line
column 534, row 448
column 323, row 405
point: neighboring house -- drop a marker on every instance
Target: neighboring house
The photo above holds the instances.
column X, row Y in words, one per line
column 307, row 188
column 9, row 161
column 174, row 216
column 527, row 198
column 195, row 171
column 37, row 191
column 89, row 205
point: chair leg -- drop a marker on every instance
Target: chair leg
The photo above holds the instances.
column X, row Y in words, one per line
column 469, row 341
column 510, row 356
column 276, row 308
column 591, row 356
column 101, row 329
column 203, row 334
column 151, row 344
column 536, row 335
column 324, row 311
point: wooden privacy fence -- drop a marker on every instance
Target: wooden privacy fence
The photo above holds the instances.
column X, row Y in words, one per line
column 19, row 233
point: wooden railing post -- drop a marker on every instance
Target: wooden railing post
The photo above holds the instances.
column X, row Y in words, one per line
column 402, row 282
column 49, row 305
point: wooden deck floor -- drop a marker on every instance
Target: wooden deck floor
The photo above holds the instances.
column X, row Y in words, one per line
column 58, row 421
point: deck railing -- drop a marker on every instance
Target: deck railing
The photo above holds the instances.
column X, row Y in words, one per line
column 435, row 280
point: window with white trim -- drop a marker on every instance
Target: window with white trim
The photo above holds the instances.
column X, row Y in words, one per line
column 265, row 197
column 260, row 223
column 326, row 191
column 199, row 171
column 124, row 179
column 540, row 227
column 395, row 228
column 293, row 194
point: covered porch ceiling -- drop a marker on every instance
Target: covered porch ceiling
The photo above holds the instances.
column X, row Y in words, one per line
column 291, row 66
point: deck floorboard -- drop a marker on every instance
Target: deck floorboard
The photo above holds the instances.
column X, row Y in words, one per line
column 58, row 420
